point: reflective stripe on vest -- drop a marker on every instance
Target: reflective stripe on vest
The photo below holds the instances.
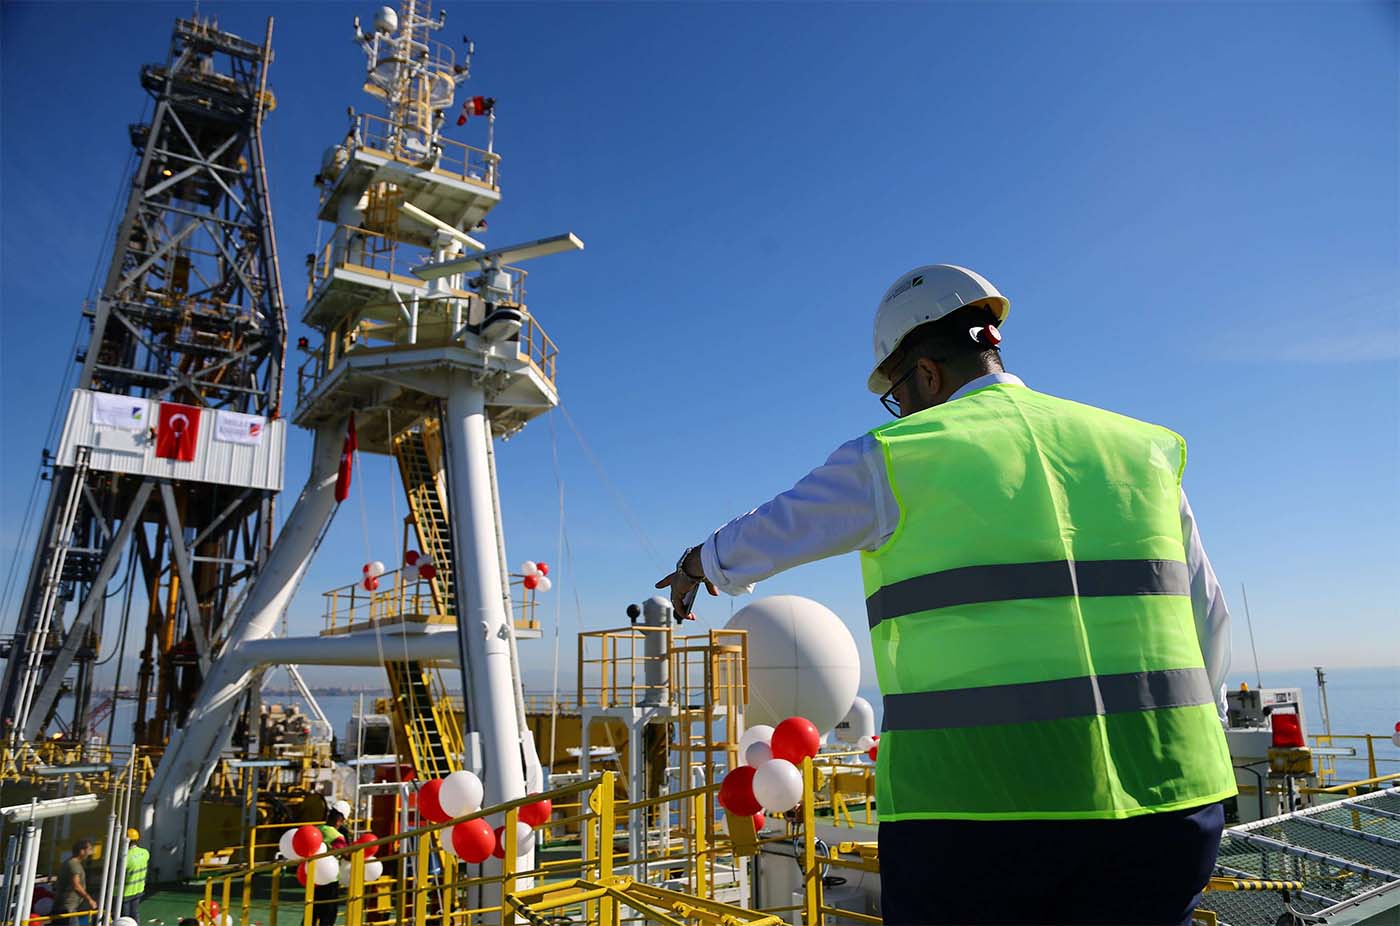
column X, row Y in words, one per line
column 1036, row 702
column 137, row 860
column 1004, row 582
column 1031, row 620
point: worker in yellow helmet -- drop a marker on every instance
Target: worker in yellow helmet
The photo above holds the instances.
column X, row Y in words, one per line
column 138, row 860
column 1049, row 637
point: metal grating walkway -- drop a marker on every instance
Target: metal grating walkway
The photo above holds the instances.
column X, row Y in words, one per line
column 1346, row 854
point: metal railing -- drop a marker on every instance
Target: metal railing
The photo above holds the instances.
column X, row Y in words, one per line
column 398, row 599
column 375, row 134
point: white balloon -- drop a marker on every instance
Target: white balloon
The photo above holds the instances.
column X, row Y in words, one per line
column 285, row 845
column 376, row 568
column 374, row 870
column 864, row 743
column 778, row 785
column 326, row 870
column 461, row 794
column 757, row 754
column 758, row 733
column 124, row 921
column 529, row 568
column 524, row 838
column 544, row 584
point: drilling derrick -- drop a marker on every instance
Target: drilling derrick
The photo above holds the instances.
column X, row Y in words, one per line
column 171, row 454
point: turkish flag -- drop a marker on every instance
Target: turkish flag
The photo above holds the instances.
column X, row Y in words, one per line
column 177, row 432
column 347, row 462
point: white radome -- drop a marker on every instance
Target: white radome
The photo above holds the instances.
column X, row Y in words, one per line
column 386, row 20
column 858, row 724
column 803, row 661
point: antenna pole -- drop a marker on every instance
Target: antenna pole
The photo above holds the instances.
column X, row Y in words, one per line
column 1322, row 701
column 1249, row 622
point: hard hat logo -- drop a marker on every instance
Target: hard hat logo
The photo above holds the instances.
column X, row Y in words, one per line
column 941, row 290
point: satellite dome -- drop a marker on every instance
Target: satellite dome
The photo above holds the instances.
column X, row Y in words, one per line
column 858, row 722
column 802, row 661
column 386, row 20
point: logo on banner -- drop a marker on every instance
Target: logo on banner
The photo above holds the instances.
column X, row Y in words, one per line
column 119, row 411
column 177, row 433
column 238, row 428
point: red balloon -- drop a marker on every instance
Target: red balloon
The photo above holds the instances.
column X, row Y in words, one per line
column 365, row 570
column 536, row 813
column 795, row 739
column 473, row 840
column 307, row 841
column 371, row 583
column 429, row 807
column 758, row 822
column 530, row 581
column 301, row 874
column 411, row 557
column 736, row 792
column 542, row 568
column 874, row 750
column 372, row 851
column 428, row 572
column 499, row 833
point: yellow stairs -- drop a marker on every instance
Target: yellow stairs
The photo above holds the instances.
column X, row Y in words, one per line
column 419, row 453
column 423, row 714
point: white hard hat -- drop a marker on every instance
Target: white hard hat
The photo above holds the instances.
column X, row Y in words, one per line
column 926, row 294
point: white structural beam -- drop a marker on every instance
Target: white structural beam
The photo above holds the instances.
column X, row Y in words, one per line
column 485, row 634
column 171, row 805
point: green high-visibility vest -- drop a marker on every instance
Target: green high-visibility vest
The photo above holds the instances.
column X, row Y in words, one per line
column 137, row 859
column 1031, row 618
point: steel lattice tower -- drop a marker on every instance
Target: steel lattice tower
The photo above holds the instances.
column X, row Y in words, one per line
column 191, row 311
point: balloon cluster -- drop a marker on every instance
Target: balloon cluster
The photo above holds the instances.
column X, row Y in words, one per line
column 302, row 842
column 870, row 745
column 372, row 571
column 474, row 841
column 536, row 576
column 769, row 779
column 419, row 565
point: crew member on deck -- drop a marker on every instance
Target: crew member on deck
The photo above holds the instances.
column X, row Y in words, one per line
column 1050, row 640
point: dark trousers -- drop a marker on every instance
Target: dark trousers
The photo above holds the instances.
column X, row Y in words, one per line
column 131, row 906
column 1143, row 870
column 326, row 906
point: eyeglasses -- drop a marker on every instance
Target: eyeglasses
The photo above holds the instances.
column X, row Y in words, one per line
column 888, row 400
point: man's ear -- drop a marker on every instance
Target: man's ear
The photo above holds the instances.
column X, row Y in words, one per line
column 931, row 374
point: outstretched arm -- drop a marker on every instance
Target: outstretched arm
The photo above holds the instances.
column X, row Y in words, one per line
column 843, row 505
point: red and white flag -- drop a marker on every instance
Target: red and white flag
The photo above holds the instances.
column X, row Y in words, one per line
column 347, row 462
column 476, row 106
column 177, row 433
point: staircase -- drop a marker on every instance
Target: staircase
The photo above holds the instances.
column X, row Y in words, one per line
column 424, row 716
column 38, row 633
column 419, row 453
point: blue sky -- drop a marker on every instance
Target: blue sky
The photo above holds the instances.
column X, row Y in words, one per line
column 1193, row 208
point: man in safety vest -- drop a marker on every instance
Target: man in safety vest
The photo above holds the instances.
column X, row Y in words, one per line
column 1049, row 636
column 137, row 860
column 326, row 907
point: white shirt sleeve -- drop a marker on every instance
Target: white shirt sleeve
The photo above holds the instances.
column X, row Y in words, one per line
column 843, row 505
column 1208, row 606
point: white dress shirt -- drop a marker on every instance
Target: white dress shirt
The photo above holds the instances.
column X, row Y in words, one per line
column 846, row 504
